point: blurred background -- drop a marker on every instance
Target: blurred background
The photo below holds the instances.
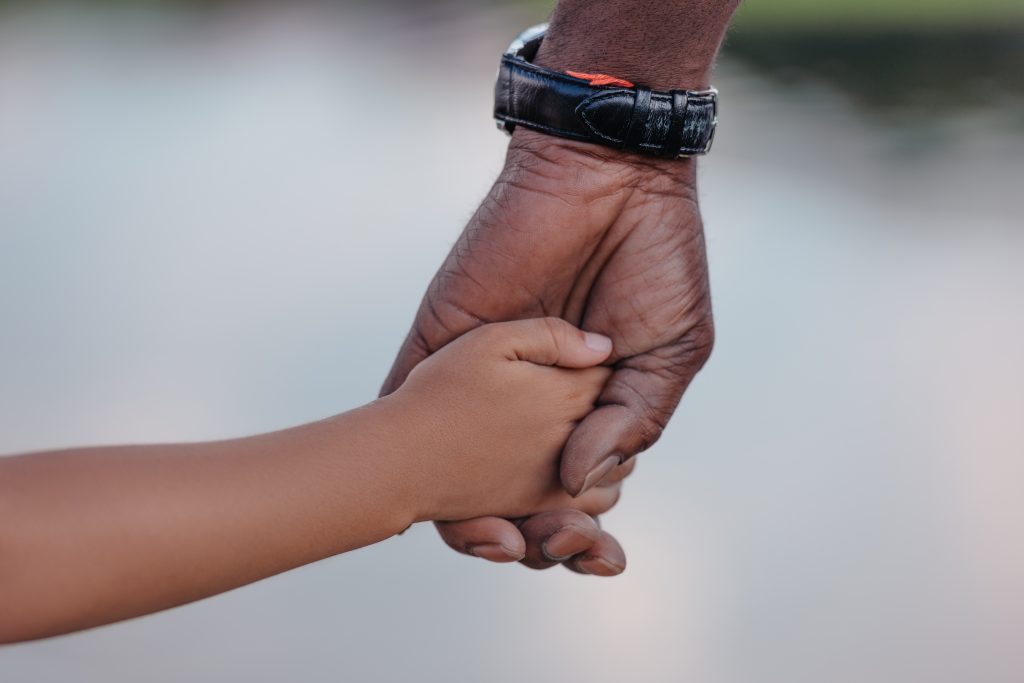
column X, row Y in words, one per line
column 204, row 232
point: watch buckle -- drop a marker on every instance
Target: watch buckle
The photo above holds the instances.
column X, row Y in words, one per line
column 713, row 94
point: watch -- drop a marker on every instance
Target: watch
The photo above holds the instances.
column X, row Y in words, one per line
column 600, row 109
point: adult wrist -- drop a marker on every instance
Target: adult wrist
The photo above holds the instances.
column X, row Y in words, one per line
column 661, row 44
column 590, row 173
column 666, row 74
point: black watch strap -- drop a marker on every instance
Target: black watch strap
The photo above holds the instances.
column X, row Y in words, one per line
column 671, row 124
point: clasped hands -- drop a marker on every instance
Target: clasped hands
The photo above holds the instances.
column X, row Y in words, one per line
column 594, row 261
column 612, row 243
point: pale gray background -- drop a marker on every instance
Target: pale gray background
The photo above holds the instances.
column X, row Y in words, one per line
column 204, row 232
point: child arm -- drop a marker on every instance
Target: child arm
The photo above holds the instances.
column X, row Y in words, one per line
column 91, row 536
column 95, row 535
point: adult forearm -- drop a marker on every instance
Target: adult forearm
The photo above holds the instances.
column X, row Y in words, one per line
column 662, row 44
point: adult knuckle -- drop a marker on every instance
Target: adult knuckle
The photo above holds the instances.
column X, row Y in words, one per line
column 650, row 425
column 650, row 413
column 698, row 342
column 680, row 360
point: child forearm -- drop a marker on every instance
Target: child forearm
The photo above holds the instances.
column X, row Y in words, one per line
column 96, row 535
column 91, row 536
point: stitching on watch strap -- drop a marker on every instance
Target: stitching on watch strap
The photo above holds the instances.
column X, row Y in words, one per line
column 584, row 108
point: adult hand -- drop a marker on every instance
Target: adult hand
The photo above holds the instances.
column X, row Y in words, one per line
column 608, row 241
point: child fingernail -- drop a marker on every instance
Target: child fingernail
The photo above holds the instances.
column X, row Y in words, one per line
column 495, row 552
column 597, row 342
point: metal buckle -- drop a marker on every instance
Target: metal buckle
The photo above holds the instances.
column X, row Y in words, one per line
column 527, row 36
column 515, row 47
column 713, row 93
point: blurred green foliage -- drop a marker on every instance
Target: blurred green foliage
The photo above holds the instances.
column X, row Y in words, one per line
column 753, row 14
column 879, row 14
column 866, row 14
column 885, row 54
column 926, row 58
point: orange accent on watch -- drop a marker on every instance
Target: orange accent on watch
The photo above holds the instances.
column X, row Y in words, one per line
column 601, row 79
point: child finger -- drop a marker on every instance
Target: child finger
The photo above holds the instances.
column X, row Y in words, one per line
column 552, row 341
column 582, row 388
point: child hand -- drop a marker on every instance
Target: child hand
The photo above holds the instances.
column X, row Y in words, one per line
column 94, row 535
column 488, row 416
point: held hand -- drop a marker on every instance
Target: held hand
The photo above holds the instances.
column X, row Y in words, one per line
column 494, row 408
column 608, row 241
column 94, row 535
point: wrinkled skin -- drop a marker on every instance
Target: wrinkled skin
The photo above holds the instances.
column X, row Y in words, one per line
column 611, row 242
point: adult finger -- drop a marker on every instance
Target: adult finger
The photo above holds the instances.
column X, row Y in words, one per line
column 553, row 537
column 491, row 538
column 617, row 474
column 500, row 540
column 633, row 409
column 573, row 539
column 605, row 557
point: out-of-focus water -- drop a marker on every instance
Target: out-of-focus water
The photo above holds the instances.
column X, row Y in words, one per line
column 205, row 232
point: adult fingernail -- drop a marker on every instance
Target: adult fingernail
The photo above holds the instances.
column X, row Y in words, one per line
column 597, row 342
column 598, row 566
column 566, row 543
column 597, row 474
column 495, row 552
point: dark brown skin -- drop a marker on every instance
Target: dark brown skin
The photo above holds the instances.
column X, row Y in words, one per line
column 608, row 240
